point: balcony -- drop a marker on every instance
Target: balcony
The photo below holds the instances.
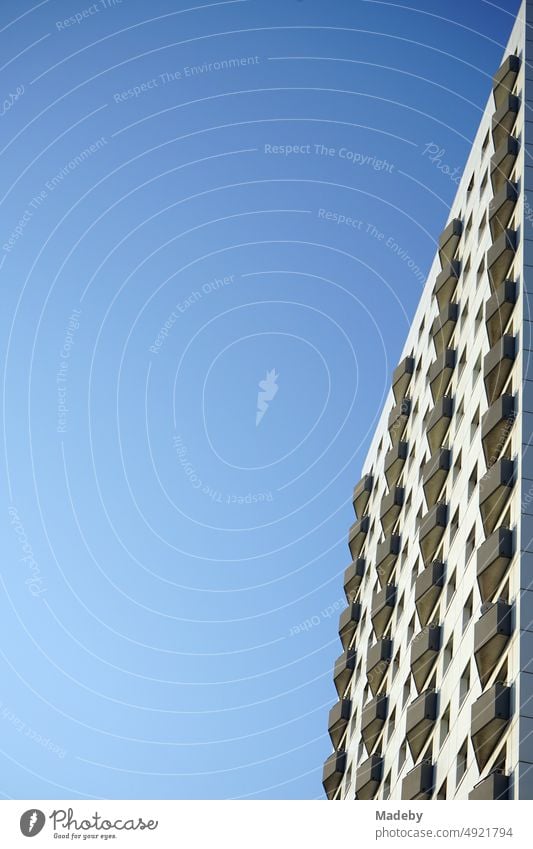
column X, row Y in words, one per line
column 493, row 559
column 504, row 79
column 386, row 556
column 333, row 773
column 353, row 576
column 391, row 505
column 339, row 717
column 372, row 720
column 420, row 721
column 496, row 425
column 497, row 366
column 449, row 241
column 443, row 327
column 361, row 494
column 499, row 309
column 428, row 588
column 434, row 474
column 383, row 604
column 438, row 422
column 446, row 283
column 418, row 783
column 490, row 716
column 402, row 378
column 394, row 463
column 491, row 636
column 431, row 531
column 343, row 670
column 494, row 786
column 494, row 492
column 440, row 373
column 501, row 208
column 500, row 257
column 357, row 536
column 368, row 777
column 398, row 420
column 504, row 119
column 377, row 663
column 424, row 651
column 348, row 622
column 503, row 162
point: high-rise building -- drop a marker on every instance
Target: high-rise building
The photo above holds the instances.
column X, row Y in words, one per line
column 435, row 680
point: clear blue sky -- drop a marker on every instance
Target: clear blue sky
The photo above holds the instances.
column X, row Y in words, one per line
column 197, row 198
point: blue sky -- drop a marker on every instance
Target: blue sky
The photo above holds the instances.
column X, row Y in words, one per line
column 198, row 199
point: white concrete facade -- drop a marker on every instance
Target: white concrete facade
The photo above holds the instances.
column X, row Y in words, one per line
column 462, row 727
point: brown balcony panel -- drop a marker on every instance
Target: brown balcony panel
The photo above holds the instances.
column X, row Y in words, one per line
column 419, row 782
column 333, row 773
column 343, row 670
column 398, row 420
column 431, row 531
column 402, row 378
column 497, row 366
column 493, row 559
column 357, row 536
column 377, row 663
column 504, row 79
column 394, row 462
column 434, row 474
column 383, row 604
column 438, row 422
column 491, row 636
column 372, row 720
column 361, row 494
column 499, row 309
column 496, row 425
column 353, row 576
column 420, row 721
column 424, row 651
column 504, row 119
column 428, row 588
column 339, row 717
column 368, row 777
column 503, row 161
column 494, row 786
column 440, row 373
column 490, row 716
column 348, row 622
column 443, row 327
column 386, row 556
column 500, row 257
column 391, row 505
column 449, row 241
column 501, row 208
column 494, row 492
column 446, row 283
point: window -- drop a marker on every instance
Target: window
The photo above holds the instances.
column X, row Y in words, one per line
column 392, row 724
column 444, row 725
column 471, row 184
column 402, row 755
column 462, row 760
column 441, row 795
column 480, row 271
column 464, row 684
column 457, row 466
column 470, row 544
column 474, row 424
column 450, row 589
column 406, row 692
column 386, row 787
column 472, row 482
column 476, row 371
column 468, row 223
column 454, row 525
column 484, row 182
column 485, row 143
column 447, row 656
column 467, row 611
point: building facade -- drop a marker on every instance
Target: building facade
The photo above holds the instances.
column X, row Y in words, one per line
column 435, row 680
